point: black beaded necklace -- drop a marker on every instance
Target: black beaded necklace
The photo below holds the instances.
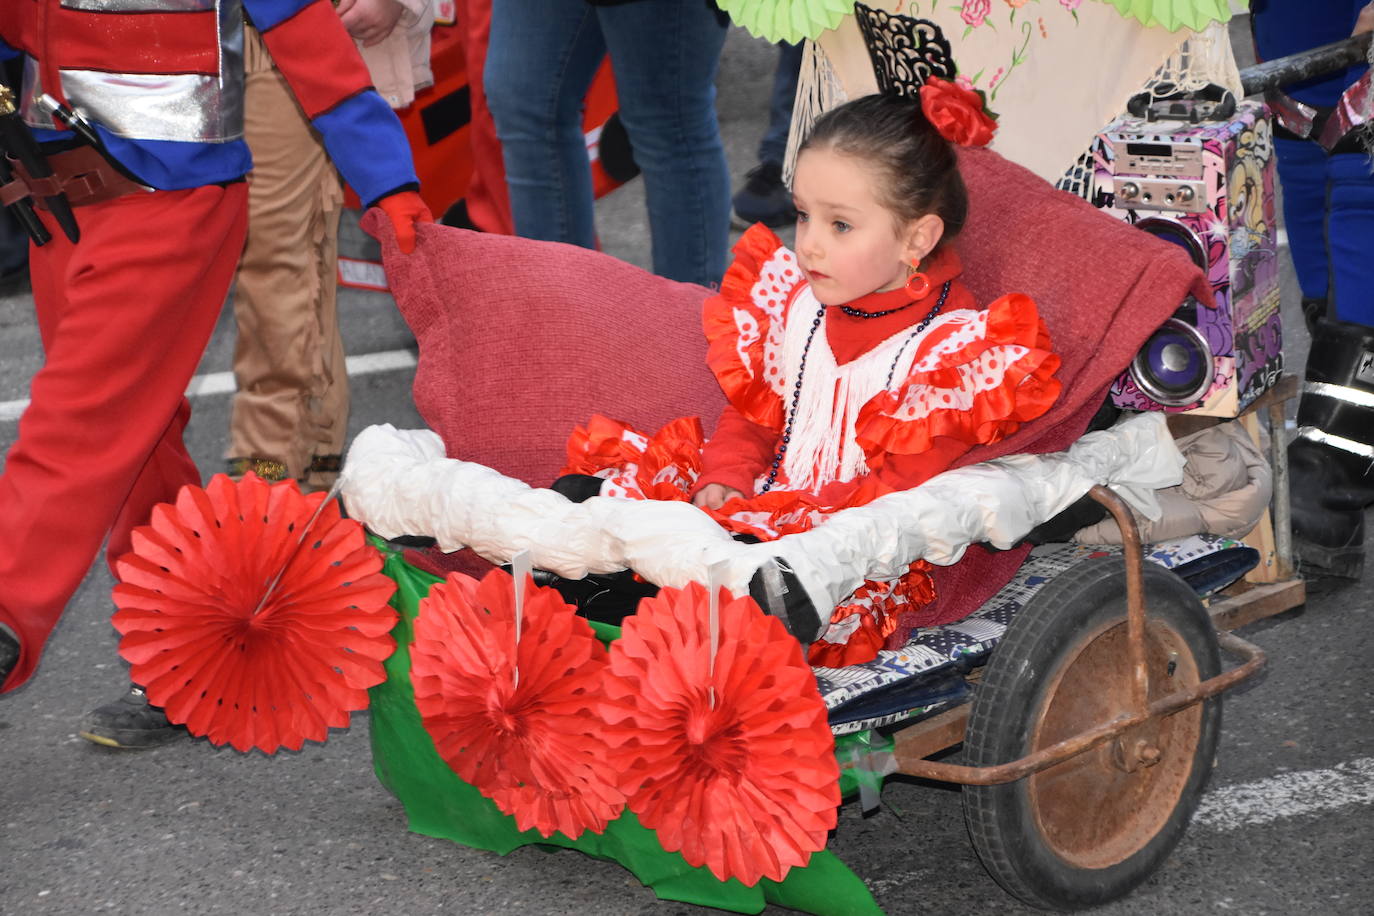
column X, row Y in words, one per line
column 860, row 313
column 801, row 369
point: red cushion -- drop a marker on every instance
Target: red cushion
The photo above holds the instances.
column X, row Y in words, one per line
column 1102, row 285
column 521, row 340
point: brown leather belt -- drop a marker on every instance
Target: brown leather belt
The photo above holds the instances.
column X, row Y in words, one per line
column 82, row 174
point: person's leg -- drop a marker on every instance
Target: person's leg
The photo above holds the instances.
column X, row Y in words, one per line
column 330, row 400
column 487, row 202
column 1301, row 168
column 765, row 197
column 169, row 468
column 541, row 58
column 292, row 389
column 664, row 54
column 1350, row 237
column 125, row 316
column 773, row 146
column 1331, row 463
column 14, row 247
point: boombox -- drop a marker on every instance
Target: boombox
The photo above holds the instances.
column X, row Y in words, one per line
column 1208, row 187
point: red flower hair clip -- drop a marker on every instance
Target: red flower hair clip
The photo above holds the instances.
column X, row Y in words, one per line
column 957, row 113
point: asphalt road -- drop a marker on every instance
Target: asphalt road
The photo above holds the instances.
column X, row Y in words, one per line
column 190, row 828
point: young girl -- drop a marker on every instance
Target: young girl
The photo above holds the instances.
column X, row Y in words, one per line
column 856, row 366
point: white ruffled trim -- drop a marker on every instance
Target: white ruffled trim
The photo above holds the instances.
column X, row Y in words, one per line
column 398, row 482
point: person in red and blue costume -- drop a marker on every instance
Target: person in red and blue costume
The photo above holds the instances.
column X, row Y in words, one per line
column 1323, row 138
column 125, row 312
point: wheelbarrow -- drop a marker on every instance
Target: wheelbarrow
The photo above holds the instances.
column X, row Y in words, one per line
column 519, row 340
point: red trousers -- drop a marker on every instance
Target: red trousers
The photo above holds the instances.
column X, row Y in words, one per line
column 124, row 315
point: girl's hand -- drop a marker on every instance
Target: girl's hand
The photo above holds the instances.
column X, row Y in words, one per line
column 715, row 495
column 369, row 21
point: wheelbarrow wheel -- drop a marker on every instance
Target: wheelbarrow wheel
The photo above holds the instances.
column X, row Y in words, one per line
column 1091, row 828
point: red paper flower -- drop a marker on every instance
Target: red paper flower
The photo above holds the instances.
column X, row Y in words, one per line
column 747, row 787
column 533, row 746
column 241, row 630
column 957, row 113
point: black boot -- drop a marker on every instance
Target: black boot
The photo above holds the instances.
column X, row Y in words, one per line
column 129, row 722
column 1331, row 463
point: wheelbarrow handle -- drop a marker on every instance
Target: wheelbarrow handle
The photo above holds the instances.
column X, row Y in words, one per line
column 1295, row 68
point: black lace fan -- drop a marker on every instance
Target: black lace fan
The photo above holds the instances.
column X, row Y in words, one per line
column 905, row 51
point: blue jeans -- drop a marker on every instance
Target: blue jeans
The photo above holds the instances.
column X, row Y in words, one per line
column 541, row 59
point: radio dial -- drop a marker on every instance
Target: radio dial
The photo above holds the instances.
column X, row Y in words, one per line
column 1186, row 194
column 1130, row 190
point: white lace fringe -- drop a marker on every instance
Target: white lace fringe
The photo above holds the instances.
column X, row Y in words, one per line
column 822, row 446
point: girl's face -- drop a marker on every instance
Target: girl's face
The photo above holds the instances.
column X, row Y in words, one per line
column 849, row 244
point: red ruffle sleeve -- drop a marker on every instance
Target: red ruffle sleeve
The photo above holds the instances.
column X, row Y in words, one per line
column 975, row 378
column 744, row 325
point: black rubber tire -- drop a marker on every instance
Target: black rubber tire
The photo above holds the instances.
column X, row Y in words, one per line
column 1057, row 627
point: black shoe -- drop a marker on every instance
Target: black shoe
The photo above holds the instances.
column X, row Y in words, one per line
column 792, row 606
column 603, row 597
column 9, row 652
column 764, row 198
column 578, row 488
column 130, row 722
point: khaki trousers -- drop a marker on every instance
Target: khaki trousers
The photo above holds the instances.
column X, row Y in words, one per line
column 292, row 402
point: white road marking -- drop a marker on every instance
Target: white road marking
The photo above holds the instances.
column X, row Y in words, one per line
column 1288, row 795
column 213, row 383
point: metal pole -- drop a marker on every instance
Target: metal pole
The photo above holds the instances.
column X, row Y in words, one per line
column 1282, row 517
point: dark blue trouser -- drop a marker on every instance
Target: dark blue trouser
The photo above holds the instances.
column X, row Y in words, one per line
column 1328, row 208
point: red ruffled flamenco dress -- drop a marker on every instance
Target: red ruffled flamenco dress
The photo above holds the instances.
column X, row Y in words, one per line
column 829, row 410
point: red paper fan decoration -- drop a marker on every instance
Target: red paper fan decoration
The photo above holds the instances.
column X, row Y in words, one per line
column 241, row 630
column 531, row 745
column 747, row 787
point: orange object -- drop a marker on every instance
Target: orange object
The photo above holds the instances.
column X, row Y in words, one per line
column 252, row 619
column 512, row 709
column 405, row 209
column 661, row 466
column 727, row 755
column 957, row 113
column 918, row 285
column 437, row 125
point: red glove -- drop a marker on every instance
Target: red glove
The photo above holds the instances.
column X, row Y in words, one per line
column 405, row 209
